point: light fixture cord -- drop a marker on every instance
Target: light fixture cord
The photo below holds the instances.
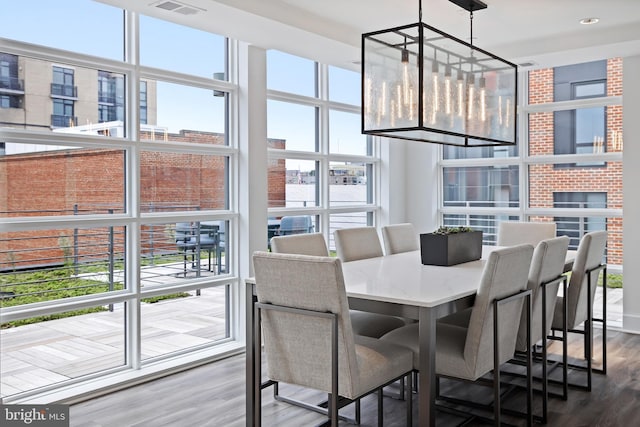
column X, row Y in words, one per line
column 419, row 10
column 471, row 26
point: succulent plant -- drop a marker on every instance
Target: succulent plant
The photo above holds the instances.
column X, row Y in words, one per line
column 452, row 230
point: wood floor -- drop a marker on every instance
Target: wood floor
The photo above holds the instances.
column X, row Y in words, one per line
column 213, row 395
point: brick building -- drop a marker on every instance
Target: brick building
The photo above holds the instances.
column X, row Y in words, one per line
column 588, row 185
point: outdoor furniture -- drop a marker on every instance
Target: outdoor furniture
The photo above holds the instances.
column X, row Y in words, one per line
column 399, row 238
column 295, row 225
column 194, row 237
column 273, row 226
column 213, row 239
column 308, row 340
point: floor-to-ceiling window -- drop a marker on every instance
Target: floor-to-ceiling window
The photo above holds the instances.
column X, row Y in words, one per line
column 117, row 224
column 323, row 165
column 567, row 167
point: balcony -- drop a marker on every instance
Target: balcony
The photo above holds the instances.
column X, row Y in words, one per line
column 61, row 121
column 12, row 85
column 64, row 91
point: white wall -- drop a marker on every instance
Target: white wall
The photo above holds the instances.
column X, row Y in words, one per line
column 631, row 195
column 252, row 161
column 409, row 184
column 392, row 180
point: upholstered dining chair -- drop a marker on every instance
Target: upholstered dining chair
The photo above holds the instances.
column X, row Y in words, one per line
column 518, row 232
column 301, row 244
column 487, row 339
column 357, row 243
column 354, row 244
column 576, row 306
column 399, row 238
column 308, row 339
column 368, row 324
column 545, row 276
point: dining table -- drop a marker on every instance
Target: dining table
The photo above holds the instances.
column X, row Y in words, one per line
column 398, row 285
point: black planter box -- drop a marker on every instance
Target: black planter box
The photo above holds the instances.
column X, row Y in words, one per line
column 450, row 249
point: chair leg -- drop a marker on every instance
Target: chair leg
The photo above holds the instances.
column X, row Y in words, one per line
column 380, row 410
column 409, row 395
column 496, row 396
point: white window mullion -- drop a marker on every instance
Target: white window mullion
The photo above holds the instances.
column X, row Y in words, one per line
column 132, row 191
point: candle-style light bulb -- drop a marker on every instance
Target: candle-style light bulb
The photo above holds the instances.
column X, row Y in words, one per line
column 471, row 84
column 406, row 82
column 460, row 90
column 483, row 99
column 447, row 90
column 435, row 99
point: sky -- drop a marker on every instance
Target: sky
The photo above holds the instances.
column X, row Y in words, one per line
column 182, row 49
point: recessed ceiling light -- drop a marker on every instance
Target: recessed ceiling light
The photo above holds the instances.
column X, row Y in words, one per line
column 589, row 21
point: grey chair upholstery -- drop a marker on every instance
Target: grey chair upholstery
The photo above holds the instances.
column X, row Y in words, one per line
column 357, row 243
column 545, row 276
column 465, row 349
column 366, row 324
column 546, row 266
column 354, row 244
column 299, row 346
column 399, row 238
column 301, row 244
column 580, row 296
column 516, row 233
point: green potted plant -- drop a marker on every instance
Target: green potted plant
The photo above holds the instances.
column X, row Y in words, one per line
column 450, row 246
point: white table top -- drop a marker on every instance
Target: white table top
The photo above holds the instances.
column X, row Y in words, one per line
column 402, row 279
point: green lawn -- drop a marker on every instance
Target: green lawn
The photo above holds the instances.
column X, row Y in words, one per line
column 60, row 283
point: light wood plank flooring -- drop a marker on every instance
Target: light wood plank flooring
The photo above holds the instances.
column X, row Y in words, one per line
column 213, row 395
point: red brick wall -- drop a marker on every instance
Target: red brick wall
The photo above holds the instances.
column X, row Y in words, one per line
column 547, row 179
column 92, row 181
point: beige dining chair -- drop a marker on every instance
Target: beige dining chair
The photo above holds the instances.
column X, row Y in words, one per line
column 545, row 276
column 576, row 307
column 518, row 232
column 470, row 349
column 308, row 340
column 353, row 244
column 301, row 244
column 399, row 238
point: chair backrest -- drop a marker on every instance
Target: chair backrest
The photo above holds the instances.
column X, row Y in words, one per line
column 505, row 273
column 547, row 264
column 296, row 225
column 399, row 238
column 516, row 233
column 297, row 347
column 357, row 243
column 302, row 244
column 590, row 255
column 184, row 230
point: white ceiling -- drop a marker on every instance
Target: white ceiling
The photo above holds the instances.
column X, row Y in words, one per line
column 545, row 32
